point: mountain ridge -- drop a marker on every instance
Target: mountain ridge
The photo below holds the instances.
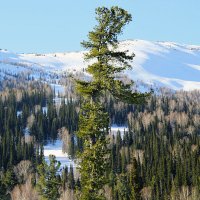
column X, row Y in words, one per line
column 165, row 64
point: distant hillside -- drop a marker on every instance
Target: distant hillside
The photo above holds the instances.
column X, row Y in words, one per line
column 156, row 63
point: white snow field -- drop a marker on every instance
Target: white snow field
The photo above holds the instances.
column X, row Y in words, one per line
column 157, row 63
column 114, row 129
column 56, row 150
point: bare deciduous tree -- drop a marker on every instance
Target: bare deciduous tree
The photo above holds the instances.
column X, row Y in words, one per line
column 67, row 194
column 24, row 192
column 23, row 170
column 66, row 139
column 146, row 193
column 30, row 121
column 184, row 193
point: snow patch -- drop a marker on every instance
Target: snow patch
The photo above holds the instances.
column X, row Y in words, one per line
column 115, row 129
column 55, row 149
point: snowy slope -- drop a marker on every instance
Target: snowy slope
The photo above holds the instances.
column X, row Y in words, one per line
column 166, row 64
column 157, row 63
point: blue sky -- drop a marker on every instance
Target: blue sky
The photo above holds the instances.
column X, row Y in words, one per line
column 58, row 26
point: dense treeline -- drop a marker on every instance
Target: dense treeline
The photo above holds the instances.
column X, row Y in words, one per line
column 159, row 158
column 28, row 118
column 14, row 143
column 164, row 140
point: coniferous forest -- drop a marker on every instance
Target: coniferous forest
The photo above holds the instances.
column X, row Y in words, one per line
column 157, row 158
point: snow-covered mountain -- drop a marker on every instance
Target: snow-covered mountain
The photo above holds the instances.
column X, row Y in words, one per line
column 157, row 63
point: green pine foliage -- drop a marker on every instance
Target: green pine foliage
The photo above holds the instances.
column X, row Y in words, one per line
column 48, row 182
column 94, row 120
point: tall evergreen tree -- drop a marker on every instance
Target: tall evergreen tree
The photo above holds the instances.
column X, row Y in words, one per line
column 94, row 120
column 48, row 183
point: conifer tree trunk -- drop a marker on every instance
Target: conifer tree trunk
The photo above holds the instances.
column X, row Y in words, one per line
column 94, row 120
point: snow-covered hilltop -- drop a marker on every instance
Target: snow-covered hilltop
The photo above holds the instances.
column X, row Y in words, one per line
column 161, row 63
column 166, row 64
